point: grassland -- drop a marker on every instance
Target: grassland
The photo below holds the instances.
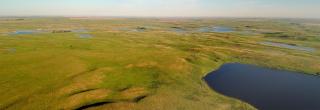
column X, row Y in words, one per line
column 154, row 69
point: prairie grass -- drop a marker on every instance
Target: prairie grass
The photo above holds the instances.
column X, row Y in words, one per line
column 121, row 70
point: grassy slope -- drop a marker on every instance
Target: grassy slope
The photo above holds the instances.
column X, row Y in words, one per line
column 127, row 70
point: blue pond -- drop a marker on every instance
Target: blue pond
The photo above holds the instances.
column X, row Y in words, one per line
column 216, row 29
column 267, row 89
column 22, row 32
column 178, row 30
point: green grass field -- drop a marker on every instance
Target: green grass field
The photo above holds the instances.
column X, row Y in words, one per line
column 155, row 69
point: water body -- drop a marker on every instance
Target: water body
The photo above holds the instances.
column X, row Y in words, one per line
column 205, row 29
column 178, row 30
column 288, row 46
column 267, row 89
column 23, row 32
column 219, row 29
column 28, row 32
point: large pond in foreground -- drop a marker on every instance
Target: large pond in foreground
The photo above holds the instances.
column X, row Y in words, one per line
column 267, row 89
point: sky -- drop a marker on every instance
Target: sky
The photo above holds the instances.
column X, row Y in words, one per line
column 163, row 8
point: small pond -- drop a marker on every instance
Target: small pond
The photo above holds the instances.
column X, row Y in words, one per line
column 288, row 46
column 219, row 29
column 267, row 89
column 178, row 30
column 23, row 32
column 205, row 29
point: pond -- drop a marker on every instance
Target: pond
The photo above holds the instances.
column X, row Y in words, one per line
column 219, row 29
column 267, row 89
column 178, row 30
column 205, row 29
column 288, row 46
column 23, row 32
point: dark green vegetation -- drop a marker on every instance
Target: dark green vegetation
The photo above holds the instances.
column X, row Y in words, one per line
column 153, row 68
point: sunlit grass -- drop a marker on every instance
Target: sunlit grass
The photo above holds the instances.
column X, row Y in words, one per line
column 129, row 70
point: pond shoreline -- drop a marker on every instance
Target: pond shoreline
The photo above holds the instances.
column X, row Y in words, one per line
column 265, row 88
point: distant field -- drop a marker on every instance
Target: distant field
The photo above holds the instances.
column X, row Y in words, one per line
column 140, row 63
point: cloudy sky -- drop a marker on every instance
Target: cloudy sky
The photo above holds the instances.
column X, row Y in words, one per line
column 163, row 8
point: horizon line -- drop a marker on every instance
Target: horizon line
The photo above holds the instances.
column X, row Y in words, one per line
column 102, row 16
